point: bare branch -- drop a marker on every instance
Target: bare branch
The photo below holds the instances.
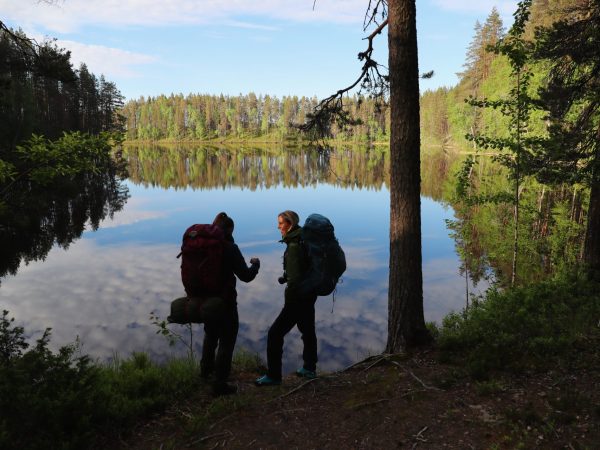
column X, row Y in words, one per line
column 371, row 17
column 331, row 109
column 33, row 52
column 373, row 79
column 27, row 42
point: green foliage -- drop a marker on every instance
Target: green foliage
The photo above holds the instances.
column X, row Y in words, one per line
column 521, row 328
column 564, row 241
column 136, row 387
column 514, row 149
column 12, row 342
column 172, row 336
column 72, row 154
column 63, row 400
column 45, row 397
column 7, row 171
column 571, row 49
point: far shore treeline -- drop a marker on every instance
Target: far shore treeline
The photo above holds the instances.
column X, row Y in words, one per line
column 207, row 117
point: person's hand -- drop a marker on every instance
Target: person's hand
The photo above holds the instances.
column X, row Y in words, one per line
column 255, row 262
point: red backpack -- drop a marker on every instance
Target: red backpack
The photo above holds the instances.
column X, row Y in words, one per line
column 202, row 260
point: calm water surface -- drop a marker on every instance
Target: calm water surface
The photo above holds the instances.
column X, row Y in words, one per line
column 105, row 285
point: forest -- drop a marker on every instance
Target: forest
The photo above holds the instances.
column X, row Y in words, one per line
column 268, row 118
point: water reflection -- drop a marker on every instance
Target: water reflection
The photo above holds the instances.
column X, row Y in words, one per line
column 256, row 168
column 105, row 286
column 35, row 219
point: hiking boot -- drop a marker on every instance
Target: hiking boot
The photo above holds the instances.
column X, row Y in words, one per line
column 222, row 388
column 305, row 373
column 266, row 380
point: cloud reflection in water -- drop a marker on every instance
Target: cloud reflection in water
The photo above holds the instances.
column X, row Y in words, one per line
column 104, row 294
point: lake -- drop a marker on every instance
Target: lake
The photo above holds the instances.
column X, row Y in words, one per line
column 105, row 285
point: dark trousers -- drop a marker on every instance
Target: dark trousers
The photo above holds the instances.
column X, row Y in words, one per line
column 301, row 313
column 219, row 342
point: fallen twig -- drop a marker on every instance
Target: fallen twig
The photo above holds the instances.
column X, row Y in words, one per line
column 383, row 358
column 210, row 436
column 284, row 411
column 419, row 435
column 297, row 388
column 360, row 362
column 406, row 394
column 360, row 405
column 432, row 388
column 221, row 420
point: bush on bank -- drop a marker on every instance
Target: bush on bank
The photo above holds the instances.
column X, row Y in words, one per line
column 66, row 399
column 525, row 328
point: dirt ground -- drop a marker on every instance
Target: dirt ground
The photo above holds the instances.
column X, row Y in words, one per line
column 404, row 402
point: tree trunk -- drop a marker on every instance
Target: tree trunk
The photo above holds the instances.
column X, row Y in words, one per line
column 591, row 251
column 406, row 323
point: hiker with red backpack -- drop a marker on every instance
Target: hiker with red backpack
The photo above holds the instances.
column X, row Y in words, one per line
column 211, row 262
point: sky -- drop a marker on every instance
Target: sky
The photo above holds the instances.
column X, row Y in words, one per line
column 231, row 47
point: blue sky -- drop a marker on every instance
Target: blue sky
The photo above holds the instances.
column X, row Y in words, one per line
column 275, row 47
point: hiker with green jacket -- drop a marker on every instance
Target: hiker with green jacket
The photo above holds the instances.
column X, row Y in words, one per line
column 298, row 308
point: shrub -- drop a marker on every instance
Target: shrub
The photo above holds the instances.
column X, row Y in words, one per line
column 521, row 328
column 44, row 396
column 61, row 400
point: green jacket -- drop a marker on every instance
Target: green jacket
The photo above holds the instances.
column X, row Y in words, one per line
column 294, row 259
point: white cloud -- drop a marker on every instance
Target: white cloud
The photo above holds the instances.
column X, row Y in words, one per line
column 112, row 62
column 71, row 15
column 252, row 26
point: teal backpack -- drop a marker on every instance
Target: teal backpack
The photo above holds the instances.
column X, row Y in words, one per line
column 327, row 261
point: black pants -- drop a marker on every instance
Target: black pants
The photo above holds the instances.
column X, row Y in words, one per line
column 300, row 312
column 220, row 333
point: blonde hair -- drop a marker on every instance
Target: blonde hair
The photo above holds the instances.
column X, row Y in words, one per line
column 290, row 217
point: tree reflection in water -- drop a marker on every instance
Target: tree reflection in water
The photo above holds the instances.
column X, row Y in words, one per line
column 255, row 168
column 34, row 218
